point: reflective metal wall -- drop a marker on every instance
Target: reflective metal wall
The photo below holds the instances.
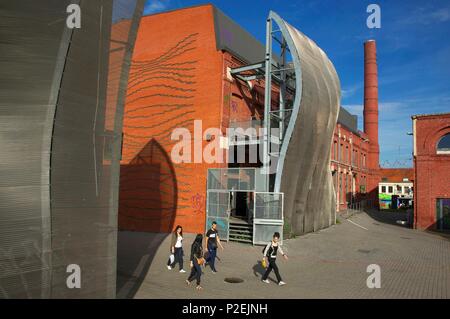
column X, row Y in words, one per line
column 61, row 106
column 303, row 172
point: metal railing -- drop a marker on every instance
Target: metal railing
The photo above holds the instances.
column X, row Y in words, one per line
column 362, row 205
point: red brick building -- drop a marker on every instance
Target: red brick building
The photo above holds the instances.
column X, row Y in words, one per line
column 432, row 171
column 180, row 73
column 349, row 161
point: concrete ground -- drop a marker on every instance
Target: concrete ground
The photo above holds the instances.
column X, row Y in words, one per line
column 331, row 263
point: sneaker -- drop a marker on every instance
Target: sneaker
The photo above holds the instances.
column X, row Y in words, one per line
column 182, row 271
column 266, row 281
column 168, row 267
column 199, row 287
column 214, row 271
column 188, row 282
column 281, row 283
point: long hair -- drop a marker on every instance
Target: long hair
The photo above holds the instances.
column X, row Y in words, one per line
column 176, row 229
column 198, row 240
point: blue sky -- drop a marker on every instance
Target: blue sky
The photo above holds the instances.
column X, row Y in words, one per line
column 413, row 47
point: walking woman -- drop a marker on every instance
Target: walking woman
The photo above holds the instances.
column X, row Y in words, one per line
column 270, row 252
column 196, row 261
column 176, row 248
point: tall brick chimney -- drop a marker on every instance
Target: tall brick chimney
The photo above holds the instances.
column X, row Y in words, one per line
column 371, row 103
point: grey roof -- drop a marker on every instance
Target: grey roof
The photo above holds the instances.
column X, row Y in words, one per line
column 231, row 37
column 349, row 120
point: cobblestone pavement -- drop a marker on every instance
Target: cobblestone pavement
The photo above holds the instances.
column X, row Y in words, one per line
column 331, row 263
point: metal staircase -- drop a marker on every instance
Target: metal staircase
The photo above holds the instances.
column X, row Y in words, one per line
column 241, row 231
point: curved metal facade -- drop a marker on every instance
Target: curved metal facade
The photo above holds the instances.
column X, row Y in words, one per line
column 303, row 172
column 61, row 104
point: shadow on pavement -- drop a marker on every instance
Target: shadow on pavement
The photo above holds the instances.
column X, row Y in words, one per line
column 388, row 217
column 135, row 254
column 440, row 233
column 259, row 269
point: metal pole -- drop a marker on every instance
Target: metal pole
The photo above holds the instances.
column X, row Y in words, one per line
column 282, row 86
column 267, row 102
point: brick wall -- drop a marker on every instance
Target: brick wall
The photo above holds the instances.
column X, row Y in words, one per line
column 432, row 171
column 175, row 78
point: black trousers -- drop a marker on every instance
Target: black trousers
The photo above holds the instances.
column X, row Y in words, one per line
column 196, row 271
column 272, row 265
column 178, row 254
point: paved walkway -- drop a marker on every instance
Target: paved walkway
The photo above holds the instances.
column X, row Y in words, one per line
column 331, row 263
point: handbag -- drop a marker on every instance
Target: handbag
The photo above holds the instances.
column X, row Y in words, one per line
column 264, row 263
column 201, row 260
column 171, row 258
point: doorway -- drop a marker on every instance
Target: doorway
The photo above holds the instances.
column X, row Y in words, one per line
column 443, row 213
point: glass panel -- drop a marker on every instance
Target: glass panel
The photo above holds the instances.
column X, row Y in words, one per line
column 268, row 206
column 444, row 144
column 263, row 233
column 231, row 179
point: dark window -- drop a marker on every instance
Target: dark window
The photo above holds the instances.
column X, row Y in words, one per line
column 383, row 189
column 443, row 146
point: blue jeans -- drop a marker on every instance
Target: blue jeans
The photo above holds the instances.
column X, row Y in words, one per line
column 196, row 271
column 212, row 252
column 178, row 254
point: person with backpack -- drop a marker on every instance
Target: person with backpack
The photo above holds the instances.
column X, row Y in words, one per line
column 196, row 261
column 270, row 254
column 176, row 249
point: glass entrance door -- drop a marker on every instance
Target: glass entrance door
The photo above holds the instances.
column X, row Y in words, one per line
column 443, row 213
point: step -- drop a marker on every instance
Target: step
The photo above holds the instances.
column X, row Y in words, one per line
column 240, row 226
column 241, row 231
column 250, row 237
column 247, row 241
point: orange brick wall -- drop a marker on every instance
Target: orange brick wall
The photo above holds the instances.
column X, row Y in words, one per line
column 175, row 78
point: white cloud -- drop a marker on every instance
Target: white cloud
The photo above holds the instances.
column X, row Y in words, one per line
column 425, row 16
column 350, row 91
column 153, row 6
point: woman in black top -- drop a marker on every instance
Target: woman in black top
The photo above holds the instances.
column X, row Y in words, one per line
column 270, row 252
column 196, row 257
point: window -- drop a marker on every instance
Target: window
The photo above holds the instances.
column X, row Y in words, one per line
column 383, row 189
column 399, row 189
column 335, row 150
column 443, row 146
column 346, row 154
column 340, row 152
column 390, row 189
